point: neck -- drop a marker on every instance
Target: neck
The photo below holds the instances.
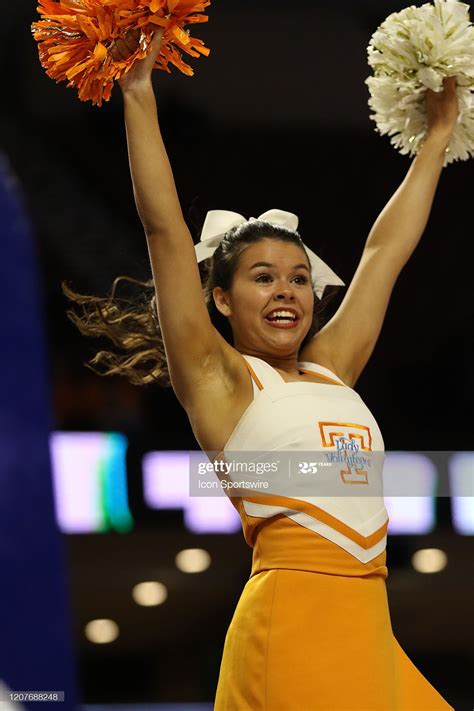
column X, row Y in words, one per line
column 287, row 363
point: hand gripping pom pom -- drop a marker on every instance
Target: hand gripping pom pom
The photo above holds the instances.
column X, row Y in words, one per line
column 74, row 37
column 414, row 50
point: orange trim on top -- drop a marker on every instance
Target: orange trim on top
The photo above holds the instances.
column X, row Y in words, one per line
column 320, row 375
column 252, row 373
column 321, row 515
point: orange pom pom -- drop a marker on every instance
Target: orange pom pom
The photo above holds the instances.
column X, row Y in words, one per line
column 74, row 37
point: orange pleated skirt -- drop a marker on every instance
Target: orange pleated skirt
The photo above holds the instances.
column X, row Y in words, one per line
column 301, row 640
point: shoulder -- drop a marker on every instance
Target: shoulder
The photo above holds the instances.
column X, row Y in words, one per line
column 321, row 354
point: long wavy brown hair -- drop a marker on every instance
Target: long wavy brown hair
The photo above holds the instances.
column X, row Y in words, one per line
column 128, row 317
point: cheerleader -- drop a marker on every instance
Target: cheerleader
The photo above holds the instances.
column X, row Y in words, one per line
column 247, row 360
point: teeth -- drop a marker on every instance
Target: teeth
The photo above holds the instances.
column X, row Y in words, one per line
column 287, row 315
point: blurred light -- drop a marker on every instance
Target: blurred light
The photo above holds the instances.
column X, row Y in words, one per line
column 149, row 594
column 166, row 479
column 90, row 481
column 461, row 479
column 410, row 514
column 101, row 631
column 166, row 486
column 193, row 560
column 429, row 560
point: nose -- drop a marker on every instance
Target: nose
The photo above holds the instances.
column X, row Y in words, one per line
column 284, row 293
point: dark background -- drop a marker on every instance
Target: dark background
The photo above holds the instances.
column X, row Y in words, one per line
column 277, row 116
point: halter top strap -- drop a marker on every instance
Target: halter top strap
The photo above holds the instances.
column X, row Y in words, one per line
column 320, row 370
column 264, row 375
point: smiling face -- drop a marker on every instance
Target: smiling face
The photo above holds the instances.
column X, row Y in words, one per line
column 270, row 302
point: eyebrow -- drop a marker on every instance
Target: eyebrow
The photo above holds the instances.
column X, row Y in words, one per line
column 267, row 264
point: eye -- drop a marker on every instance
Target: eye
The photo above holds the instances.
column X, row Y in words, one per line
column 263, row 278
column 300, row 279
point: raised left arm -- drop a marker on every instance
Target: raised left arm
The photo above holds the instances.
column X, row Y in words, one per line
column 348, row 339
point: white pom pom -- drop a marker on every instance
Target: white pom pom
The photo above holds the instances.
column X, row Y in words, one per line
column 414, row 50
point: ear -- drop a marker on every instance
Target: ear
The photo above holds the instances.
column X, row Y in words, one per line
column 221, row 300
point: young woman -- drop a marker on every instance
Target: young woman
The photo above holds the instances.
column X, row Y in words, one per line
column 312, row 628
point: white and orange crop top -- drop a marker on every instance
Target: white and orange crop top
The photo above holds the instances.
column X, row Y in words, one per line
column 343, row 502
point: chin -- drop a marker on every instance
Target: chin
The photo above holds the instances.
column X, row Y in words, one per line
column 285, row 344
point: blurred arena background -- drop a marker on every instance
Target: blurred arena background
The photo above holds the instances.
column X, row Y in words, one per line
column 94, row 492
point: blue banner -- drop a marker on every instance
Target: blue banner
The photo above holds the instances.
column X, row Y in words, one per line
column 35, row 621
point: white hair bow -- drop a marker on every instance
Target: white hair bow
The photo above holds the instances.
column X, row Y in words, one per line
column 219, row 222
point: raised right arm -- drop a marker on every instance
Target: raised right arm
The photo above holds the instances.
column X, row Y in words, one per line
column 193, row 346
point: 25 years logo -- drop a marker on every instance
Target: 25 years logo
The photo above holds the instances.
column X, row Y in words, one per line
column 307, row 468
